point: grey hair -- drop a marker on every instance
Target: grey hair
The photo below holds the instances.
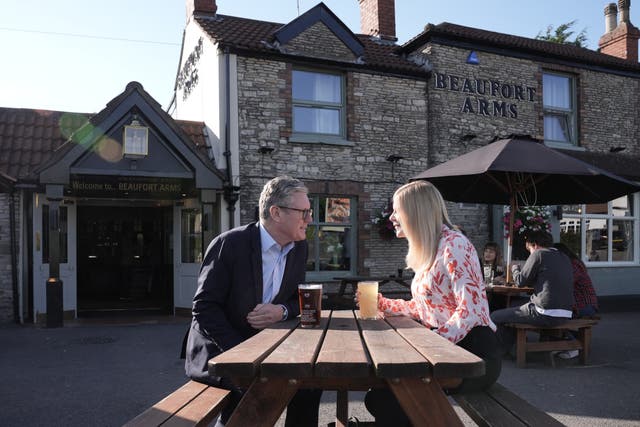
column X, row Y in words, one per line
column 278, row 192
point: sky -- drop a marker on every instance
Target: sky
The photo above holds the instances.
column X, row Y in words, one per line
column 77, row 55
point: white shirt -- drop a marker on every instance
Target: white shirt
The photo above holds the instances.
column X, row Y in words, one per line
column 274, row 261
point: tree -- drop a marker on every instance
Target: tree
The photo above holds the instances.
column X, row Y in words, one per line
column 562, row 35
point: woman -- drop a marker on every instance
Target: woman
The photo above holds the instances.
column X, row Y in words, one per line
column 447, row 290
column 492, row 257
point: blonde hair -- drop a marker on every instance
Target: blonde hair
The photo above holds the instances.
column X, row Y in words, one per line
column 424, row 212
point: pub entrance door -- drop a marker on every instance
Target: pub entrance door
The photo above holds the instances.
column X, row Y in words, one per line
column 124, row 260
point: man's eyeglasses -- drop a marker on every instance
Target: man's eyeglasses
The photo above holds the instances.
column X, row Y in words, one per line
column 306, row 213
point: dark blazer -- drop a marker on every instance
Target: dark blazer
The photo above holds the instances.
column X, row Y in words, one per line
column 229, row 287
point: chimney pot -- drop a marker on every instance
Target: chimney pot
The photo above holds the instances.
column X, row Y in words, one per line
column 623, row 6
column 610, row 17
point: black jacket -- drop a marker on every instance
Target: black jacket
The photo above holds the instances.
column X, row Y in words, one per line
column 229, row 287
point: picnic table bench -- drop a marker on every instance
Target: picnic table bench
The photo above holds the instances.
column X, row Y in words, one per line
column 193, row 404
column 582, row 342
column 346, row 353
column 497, row 406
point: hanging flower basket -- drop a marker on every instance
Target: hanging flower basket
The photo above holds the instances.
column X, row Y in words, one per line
column 382, row 222
column 533, row 218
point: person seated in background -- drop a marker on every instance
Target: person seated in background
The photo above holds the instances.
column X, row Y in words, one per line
column 492, row 257
column 586, row 301
column 550, row 274
column 493, row 270
column 447, row 291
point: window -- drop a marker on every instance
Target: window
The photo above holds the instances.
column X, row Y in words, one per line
column 136, row 140
column 602, row 233
column 191, row 231
column 318, row 105
column 559, row 104
column 331, row 237
column 62, row 212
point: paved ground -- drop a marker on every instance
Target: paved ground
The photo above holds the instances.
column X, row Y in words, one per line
column 104, row 373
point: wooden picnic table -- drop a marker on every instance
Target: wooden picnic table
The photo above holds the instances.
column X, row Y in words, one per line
column 346, row 353
column 353, row 281
column 508, row 291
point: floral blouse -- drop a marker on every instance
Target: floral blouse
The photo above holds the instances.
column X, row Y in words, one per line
column 450, row 296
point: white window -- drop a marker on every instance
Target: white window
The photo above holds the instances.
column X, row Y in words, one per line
column 318, row 105
column 602, row 233
column 559, row 104
column 136, row 140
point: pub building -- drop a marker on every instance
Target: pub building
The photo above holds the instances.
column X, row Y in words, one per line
column 132, row 195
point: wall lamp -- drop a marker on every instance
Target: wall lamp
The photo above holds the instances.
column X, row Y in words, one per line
column 393, row 159
column 265, row 150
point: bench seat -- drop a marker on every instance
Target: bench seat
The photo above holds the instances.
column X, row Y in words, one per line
column 497, row 406
column 193, row 404
column 582, row 343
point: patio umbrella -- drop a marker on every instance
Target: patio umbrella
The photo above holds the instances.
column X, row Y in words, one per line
column 521, row 171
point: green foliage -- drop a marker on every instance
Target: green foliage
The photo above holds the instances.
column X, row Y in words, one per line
column 563, row 33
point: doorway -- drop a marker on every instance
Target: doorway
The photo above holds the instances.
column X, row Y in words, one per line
column 124, row 260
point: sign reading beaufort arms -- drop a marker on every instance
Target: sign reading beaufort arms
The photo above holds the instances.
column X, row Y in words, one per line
column 130, row 187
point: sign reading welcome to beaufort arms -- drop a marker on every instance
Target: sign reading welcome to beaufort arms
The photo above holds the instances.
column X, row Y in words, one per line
column 130, row 187
column 486, row 97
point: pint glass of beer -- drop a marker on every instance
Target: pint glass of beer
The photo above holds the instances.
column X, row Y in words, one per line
column 310, row 298
column 368, row 300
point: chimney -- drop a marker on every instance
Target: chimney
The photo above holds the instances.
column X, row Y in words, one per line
column 195, row 6
column 378, row 18
column 610, row 17
column 620, row 41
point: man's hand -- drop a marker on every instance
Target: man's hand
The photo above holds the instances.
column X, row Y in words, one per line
column 264, row 315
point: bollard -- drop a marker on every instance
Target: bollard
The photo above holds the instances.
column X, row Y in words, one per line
column 54, row 303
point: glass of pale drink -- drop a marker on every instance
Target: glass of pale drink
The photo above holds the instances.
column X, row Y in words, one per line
column 368, row 300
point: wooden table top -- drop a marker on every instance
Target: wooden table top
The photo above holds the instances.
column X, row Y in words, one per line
column 347, row 353
column 507, row 289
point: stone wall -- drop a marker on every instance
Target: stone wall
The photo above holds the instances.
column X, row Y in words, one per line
column 6, row 280
column 458, row 126
column 608, row 117
column 320, row 42
column 385, row 115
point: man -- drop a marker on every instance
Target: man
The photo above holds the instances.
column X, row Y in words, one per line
column 550, row 274
column 248, row 281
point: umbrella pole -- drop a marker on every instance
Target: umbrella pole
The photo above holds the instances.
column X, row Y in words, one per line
column 512, row 213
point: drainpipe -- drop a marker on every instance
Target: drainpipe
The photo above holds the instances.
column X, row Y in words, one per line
column 14, row 256
column 231, row 192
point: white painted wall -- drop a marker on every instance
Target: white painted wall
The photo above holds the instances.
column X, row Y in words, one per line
column 207, row 103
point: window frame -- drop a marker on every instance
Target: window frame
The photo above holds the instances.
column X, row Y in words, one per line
column 314, row 245
column 582, row 217
column 570, row 113
column 63, row 220
column 316, row 137
column 192, row 239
